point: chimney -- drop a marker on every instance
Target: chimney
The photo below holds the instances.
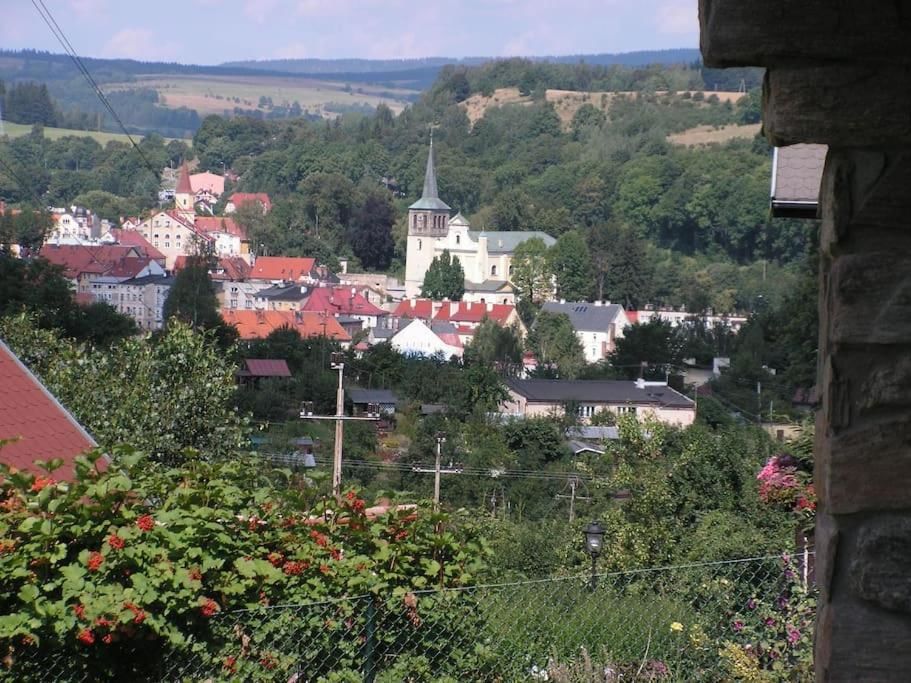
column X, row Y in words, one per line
column 260, row 317
column 489, row 306
column 435, row 307
column 562, row 301
column 598, row 303
column 412, row 302
column 453, row 308
column 640, row 383
column 469, row 306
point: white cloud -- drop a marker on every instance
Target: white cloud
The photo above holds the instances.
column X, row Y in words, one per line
column 140, row 43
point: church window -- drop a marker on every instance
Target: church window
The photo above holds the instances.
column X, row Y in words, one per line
column 493, row 270
column 420, row 244
column 458, row 239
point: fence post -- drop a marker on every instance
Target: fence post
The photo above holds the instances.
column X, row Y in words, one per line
column 370, row 641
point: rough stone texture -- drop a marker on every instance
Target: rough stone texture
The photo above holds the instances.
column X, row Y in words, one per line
column 834, row 105
column 863, row 439
column 879, row 566
column 773, row 32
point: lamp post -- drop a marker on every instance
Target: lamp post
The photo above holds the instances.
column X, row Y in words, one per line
column 594, row 543
column 441, row 439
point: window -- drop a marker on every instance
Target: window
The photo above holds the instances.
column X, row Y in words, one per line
column 248, row 304
column 510, row 269
column 156, row 235
column 155, row 244
column 458, row 239
column 233, row 303
column 630, row 410
column 493, row 270
column 420, row 244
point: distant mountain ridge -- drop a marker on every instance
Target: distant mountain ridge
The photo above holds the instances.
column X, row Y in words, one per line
column 325, row 67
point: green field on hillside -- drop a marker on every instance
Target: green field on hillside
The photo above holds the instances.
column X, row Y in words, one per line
column 15, row 130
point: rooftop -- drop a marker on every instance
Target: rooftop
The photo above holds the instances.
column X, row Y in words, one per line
column 285, row 268
column 382, row 396
column 505, row 242
column 598, row 391
column 38, row 425
column 585, row 316
column 796, row 180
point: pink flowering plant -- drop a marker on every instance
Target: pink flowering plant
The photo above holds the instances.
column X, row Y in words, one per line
column 786, row 483
column 771, row 638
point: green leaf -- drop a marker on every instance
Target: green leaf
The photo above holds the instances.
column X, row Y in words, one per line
column 29, row 593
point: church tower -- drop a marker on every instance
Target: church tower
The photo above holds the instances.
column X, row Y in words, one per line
column 184, row 199
column 428, row 220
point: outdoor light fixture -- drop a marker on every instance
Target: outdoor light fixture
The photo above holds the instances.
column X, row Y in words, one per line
column 337, row 360
column 594, row 544
column 307, row 409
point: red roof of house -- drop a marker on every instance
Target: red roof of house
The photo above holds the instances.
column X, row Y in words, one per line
column 210, row 224
column 183, row 180
column 266, row 367
column 77, row 259
column 282, row 268
column 212, row 182
column 227, row 268
column 241, row 198
column 134, row 238
column 633, row 317
column 258, row 324
column 41, row 427
column 453, row 311
column 340, row 301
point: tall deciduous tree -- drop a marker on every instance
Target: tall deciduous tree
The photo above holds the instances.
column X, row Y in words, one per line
column 555, row 344
column 496, row 346
column 571, row 265
column 192, row 300
column 653, row 348
column 445, row 279
column 531, row 274
column 370, row 235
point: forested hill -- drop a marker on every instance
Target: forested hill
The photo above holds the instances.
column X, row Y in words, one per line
column 362, row 66
column 660, row 222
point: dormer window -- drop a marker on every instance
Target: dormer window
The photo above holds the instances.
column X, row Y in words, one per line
column 493, row 270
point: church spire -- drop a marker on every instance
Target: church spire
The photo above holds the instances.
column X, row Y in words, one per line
column 183, row 180
column 430, row 175
column 430, row 198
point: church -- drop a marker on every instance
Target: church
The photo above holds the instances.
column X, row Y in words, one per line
column 486, row 256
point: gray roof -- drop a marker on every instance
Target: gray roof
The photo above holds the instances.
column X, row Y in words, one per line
column 585, row 316
column 505, row 242
column 487, row 286
column 597, row 391
column 430, row 197
column 580, row 447
column 382, row 396
column 592, row 433
column 443, row 328
column 164, row 280
column 382, row 333
column 283, row 293
column 796, row 179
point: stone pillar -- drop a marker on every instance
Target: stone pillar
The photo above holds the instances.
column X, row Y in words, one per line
column 863, row 430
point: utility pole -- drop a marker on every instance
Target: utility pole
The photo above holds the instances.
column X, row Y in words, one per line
column 373, row 414
column 339, row 428
column 441, row 439
column 574, row 483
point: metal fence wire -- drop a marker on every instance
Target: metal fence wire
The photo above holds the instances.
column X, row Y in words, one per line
column 718, row 621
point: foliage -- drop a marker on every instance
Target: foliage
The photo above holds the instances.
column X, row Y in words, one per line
column 531, row 272
column 571, row 265
column 495, row 346
column 653, row 348
column 192, row 300
column 555, row 344
column 164, row 394
column 371, row 231
column 121, row 568
column 445, row 278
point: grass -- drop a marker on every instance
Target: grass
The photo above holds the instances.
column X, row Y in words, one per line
column 708, row 135
column 215, row 94
column 15, row 130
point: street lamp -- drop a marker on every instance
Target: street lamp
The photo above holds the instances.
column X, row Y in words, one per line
column 594, row 544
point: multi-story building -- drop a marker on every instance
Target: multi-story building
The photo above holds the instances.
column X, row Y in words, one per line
column 142, row 298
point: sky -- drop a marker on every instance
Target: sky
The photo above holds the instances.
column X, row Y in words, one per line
column 216, row 31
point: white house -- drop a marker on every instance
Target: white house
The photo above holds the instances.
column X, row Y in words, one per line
column 419, row 339
column 142, row 298
column 485, row 256
column 597, row 325
column 550, row 398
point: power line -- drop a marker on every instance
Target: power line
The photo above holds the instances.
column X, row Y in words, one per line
column 52, row 24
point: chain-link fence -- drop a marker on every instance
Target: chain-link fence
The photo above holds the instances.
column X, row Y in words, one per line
column 699, row 622
column 747, row 619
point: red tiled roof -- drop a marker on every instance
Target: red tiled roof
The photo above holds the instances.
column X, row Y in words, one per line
column 227, row 268
column 633, row 317
column 29, row 413
column 414, row 308
column 77, row 259
column 183, row 180
column 258, row 324
column 210, row 224
column 468, row 312
column 241, row 198
column 134, row 238
column 453, row 311
column 129, row 267
column 266, row 367
column 282, row 268
column 340, row 301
